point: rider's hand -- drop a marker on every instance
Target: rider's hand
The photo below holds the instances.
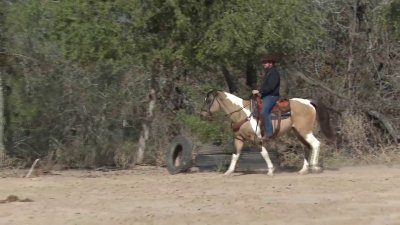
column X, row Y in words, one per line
column 255, row 92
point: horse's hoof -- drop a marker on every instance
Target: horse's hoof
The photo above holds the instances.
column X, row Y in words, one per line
column 316, row 169
column 271, row 172
column 227, row 173
column 303, row 171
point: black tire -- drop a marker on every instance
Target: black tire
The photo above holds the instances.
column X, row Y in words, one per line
column 218, row 161
column 179, row 155
column 211, row 148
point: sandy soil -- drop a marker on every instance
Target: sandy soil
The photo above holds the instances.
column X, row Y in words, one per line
column 148, row 195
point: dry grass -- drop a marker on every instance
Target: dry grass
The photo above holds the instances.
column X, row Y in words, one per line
column 354, row 130
column 388, row 155
column 124, row 155
column 356, row 146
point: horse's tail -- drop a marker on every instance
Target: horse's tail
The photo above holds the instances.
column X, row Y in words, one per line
column 323, row 118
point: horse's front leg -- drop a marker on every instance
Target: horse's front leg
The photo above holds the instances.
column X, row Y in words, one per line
column 238, row 146
column 265, row 155
column 304, row 169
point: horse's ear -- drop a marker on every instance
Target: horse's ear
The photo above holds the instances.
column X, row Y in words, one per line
column 213, row 91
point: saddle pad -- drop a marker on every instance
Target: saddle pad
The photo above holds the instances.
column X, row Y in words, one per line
column 284, row 115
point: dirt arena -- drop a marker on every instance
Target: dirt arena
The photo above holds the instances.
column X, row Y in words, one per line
column 149, row 195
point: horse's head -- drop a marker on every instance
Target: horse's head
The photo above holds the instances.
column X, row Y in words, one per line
column 211, row 105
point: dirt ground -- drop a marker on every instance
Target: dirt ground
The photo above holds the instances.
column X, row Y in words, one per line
column 149, row 195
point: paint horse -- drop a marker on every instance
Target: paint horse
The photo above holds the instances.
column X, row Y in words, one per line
column 303, row 113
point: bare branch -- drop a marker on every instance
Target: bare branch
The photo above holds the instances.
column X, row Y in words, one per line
column 18, row 56
column 314, row 82
column 32, row 168
column 382, row 118
column 386, row 123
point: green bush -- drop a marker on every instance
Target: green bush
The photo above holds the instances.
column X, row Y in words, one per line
column 216, row 130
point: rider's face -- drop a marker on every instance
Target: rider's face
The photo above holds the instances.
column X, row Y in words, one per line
column 267, row 65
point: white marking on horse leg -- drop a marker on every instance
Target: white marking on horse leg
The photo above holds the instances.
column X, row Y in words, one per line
column 265, row 155
column 256, row 127
column 314, row 143
column 304, row 170
column 232, row 166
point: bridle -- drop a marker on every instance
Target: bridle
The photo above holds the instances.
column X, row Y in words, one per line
column 209, row 114
column 212, row 102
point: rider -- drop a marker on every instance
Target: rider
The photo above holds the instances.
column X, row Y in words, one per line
column 269, row 92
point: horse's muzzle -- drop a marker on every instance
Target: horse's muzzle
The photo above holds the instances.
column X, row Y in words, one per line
column 205, row 115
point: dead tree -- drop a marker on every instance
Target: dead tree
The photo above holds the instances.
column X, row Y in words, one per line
column 2, row 148
column 144, row 135
column 387, row 125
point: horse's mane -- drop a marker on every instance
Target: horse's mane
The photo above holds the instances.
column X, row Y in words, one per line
column 214, row 91
column 218, row 90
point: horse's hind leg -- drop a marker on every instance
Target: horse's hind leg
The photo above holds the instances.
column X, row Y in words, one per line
column 304, row 169
column 238, row 146
column 314, row 144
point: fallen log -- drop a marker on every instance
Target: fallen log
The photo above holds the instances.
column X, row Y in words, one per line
column 386, row 124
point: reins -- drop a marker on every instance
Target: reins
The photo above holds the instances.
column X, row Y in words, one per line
column 240, row 109
column 227, row 114
column 234, row 125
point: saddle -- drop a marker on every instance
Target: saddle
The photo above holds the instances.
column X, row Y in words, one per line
column 281, row 110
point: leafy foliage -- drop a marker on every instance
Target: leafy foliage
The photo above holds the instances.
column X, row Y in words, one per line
column 82, row 30
column 389, row 14
column 207, row 130
column 76, row 70
column 254, row 27
column 192, row 31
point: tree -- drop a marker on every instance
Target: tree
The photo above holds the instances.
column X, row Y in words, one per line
column 389, row 14
column 83, row 31
column 87, row 65
column 2, row 64
column 2, row 120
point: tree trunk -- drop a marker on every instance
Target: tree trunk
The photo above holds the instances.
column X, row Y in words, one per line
column 144, row 136
column 2, row 121
column 389, row 127
column 251, row 76
column 229, row 80
column 351, row 71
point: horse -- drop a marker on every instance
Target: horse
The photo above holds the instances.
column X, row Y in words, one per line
column 303, row 114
